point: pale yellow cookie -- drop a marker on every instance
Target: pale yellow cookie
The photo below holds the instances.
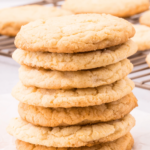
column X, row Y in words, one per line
column 49, row 79
column 73, row 136
column 148, row 59
column 74, row 97
column 48, row 117
column 145, row 18
column 11, row 19
column 142, row 37
column 77, row 61
column 74, row 33
column 123, row 143
column 120, row 8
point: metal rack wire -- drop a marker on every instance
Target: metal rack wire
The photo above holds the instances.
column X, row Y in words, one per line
column 140, row 74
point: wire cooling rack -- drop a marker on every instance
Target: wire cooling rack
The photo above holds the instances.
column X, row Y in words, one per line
column 141, row 71
column 140, row 74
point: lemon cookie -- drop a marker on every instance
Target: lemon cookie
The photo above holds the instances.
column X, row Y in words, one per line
column 123, row 143
column 145, row 18
column 142, row 37
column 77, row 61
column 73, row 136
column 11, row 19
column 48, row 117
column 148, row 59
column 120, row 8
column 49, row 79
column 74, row 97
column 74, row 33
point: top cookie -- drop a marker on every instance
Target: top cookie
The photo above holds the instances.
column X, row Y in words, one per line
column 145, row 18
column 120, row 8
column 74, row 33
column 11, row 19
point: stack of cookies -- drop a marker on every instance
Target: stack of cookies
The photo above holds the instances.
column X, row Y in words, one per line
column 74, row 91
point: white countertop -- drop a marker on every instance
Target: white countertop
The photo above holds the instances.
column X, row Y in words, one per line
column 8, row 74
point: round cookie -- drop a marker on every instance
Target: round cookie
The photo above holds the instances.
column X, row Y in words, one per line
column 49, row 79
column 74, row 33
column 123, row 143
column 48, row 117
column 74, row 97
column 73, row 136
column 11, row 19
column 148, row 59
column 120, row 8
column 142, row 37
column 77, row 61
column 145, row 18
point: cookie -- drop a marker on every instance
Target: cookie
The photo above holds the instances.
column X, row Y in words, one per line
column 142, row 37
column 74, row 33
column 74, row 97
column 145, row 18
column 77, row 61
column 123, row 143
column 48, row 117
column 49, row 79
column 148, row 59
column 73, row 136
column 120, row 8
column 11, row 19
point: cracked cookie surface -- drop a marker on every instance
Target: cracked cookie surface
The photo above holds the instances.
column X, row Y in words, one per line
column 76, row 61
column 74, row 97
column 74, row 33
column 48, row 117
column 142, row 37
column 49, row 79
column 123, row 143
column 73, row 136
